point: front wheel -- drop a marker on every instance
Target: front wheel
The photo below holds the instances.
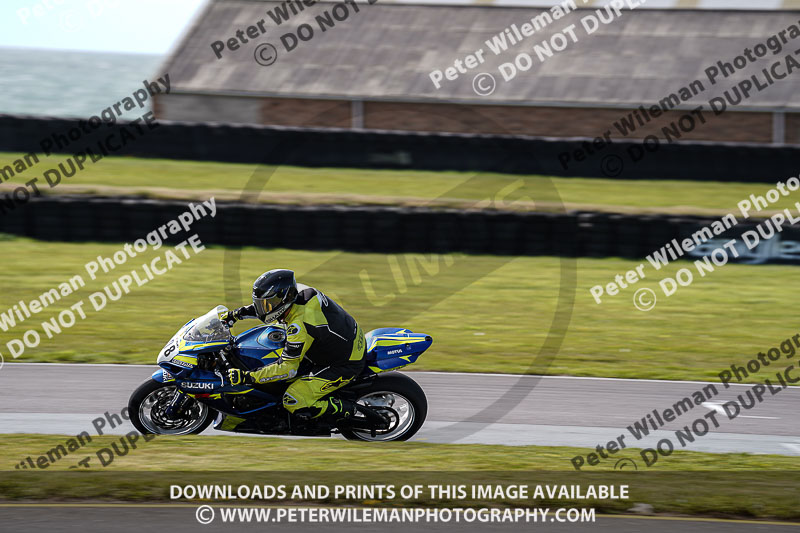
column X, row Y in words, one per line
column 398, row 397
column 147, row 408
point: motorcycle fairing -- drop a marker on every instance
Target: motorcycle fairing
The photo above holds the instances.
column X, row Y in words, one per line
column 256, row 349
column 393, row 348
column 179, row 356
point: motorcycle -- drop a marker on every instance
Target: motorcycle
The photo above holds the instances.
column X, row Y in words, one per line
column 190, row 391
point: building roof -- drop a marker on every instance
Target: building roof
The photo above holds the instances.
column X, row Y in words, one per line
column 387, row 51
column 759, row 5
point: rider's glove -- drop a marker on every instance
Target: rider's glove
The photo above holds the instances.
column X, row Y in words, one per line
column 239, row 377
column 248, row 311
column 228, row 318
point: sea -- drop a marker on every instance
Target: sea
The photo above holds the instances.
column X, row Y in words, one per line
column 57, row 83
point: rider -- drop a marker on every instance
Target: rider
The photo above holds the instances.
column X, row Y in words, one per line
column 317, row 329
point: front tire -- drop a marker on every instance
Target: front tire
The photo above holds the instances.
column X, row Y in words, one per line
column 407, row 405
column 146, row 406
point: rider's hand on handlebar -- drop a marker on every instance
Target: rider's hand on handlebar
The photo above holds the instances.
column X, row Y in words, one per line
column 239, row 377
column 228, row 318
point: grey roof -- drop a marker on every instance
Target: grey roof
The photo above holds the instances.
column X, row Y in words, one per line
column 386, row 52
column 759, row 5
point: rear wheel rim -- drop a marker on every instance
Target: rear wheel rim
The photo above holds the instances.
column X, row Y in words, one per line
column 401, row 413
column 152, row 417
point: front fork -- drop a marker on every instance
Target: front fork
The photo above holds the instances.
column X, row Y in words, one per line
column 175, row 408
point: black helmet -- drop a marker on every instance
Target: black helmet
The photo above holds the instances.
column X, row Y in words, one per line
column 273, row 293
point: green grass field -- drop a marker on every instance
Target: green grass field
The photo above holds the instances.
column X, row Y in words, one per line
column 731, row 485
column 486, row 313
column 192, row 180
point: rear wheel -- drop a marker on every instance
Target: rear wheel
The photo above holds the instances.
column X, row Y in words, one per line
column 398, row 398
column 147, row 408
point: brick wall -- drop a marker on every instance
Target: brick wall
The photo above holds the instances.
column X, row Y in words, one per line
column 732, row 126
column 793, row 128
column 557, row 122
column 300, row 112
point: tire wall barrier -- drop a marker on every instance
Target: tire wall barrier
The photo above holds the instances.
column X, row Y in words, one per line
column 420, row 151
column 390, row 230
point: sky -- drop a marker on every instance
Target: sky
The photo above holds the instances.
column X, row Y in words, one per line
column 133, row 26
column 153, row 26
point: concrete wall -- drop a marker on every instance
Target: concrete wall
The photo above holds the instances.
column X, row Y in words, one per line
column 205, row 108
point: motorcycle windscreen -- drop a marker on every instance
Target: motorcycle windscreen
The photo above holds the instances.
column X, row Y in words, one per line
column 209, row 327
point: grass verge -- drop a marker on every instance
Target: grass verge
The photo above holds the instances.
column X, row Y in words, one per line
column 191, row 180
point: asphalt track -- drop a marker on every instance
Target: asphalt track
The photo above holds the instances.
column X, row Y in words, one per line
column 181, row 519
column 464, row 408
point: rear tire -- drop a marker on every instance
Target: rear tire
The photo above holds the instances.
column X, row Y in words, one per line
column 408, row 399
column 145, row 402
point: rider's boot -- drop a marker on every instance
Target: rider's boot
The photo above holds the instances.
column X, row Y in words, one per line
column 344, row 411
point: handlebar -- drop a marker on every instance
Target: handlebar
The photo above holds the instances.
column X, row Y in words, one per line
column 225, row 363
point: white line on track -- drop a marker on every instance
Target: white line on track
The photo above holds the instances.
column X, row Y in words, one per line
column 717, row 406
column 477, row 374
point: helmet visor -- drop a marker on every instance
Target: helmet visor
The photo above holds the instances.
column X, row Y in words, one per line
column 263, row 306
column 267, row 309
